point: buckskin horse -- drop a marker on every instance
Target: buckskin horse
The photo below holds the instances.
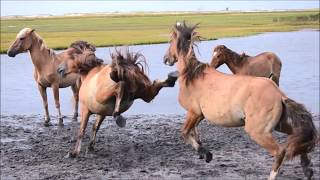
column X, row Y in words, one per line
column 45, row 63
column 265, row 64
column 234, row 100
column 99, row 92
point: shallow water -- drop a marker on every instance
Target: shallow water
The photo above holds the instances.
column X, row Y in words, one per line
column 299, row 52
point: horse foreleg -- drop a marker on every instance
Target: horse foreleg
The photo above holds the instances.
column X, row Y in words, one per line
column 305, row 164
column 85, row 113
column 55, row 88
column 95, row 129
column 43, row 93
column 75, row 91
column 119, row 95
column 190, row 135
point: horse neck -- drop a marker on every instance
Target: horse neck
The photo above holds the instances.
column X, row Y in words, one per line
column 40, row 55
column 234, row 62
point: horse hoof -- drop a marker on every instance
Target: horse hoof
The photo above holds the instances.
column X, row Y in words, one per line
column 208, row 157
column 201, row 156
column 75, row 118
column 172, row 78
column 120, row 121
column 71, row 155
column 60, row 121
column 309, row 173
column 47, row 124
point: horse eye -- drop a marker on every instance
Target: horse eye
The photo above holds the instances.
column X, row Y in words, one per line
column 22, row 38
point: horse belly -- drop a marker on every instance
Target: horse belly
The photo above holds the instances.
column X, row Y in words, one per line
column 108, row 108
column 233, row 117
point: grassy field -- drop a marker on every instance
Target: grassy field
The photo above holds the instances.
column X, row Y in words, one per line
column 109, row 30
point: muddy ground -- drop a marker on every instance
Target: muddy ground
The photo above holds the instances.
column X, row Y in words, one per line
column 149, row 147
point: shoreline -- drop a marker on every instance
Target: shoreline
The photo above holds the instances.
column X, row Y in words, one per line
column 2, row 52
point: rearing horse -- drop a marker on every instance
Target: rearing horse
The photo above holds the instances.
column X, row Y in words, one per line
column 46, row 63
column 233, row 100
column 110, row 89
column 266, row 64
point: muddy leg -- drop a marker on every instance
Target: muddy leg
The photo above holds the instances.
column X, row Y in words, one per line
column 55, row 88
column 190, row 135
column 121, row 122
column 43, row 93
column 75, row 91
column 305, row 164
column 83, row 124
column 95, row 129
column 266, row 140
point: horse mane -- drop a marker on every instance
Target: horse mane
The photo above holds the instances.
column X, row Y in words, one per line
column 42, row 44
column 229, row 54
column 186, row 41
column 129, row 67
column 83, row 53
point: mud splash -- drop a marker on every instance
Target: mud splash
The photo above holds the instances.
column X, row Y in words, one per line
column 149, row 147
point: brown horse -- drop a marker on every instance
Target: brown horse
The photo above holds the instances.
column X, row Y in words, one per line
column 266, row 64
column 46, row 63
column 233, row 100
column 99, row 92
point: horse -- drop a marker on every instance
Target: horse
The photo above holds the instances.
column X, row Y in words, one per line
column 266, row 64
column 99, row 92
column 45, row 63
column 233, row 101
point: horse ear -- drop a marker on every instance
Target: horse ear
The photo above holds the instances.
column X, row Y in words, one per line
column 114, row 76
column 32, row 30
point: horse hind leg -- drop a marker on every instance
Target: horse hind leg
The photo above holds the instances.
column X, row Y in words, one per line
column 266, row 140
column 85, row 113
column 305, row 164
column 95, row 128
column 55, row 88
column 43, row 93
column 75, row 91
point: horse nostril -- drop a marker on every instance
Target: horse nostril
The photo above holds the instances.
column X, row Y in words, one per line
column 11, row 54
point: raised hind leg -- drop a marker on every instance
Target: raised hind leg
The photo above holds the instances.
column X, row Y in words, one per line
column 75, row 91
column 121, row 122
column 43, row 93
column 305, row 164
column 264, row 138
column 191, row 137
column 55, row 88
column 95, row 129
column 85, row 113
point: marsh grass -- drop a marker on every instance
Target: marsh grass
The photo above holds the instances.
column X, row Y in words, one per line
column 112, row 30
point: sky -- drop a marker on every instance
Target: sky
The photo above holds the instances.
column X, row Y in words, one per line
column 59, row 7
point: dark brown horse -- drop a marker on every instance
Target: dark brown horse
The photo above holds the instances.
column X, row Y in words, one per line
column 110, row 89
column 266, row 64
column 46, row 62
column 234, row 100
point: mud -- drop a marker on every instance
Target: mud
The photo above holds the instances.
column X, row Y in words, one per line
column 149, row 147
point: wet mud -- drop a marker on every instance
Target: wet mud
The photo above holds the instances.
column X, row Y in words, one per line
column 149, row 147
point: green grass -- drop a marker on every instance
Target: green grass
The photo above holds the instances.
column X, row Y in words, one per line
column 108, row 30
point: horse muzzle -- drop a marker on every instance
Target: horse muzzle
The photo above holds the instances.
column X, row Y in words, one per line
column 12, row 53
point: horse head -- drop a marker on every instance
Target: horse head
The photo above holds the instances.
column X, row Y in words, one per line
column 22, row 43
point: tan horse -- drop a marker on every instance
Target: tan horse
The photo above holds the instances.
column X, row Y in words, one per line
column 266, row 64
column 46, row 63
column 233, row 100
column 99, row 92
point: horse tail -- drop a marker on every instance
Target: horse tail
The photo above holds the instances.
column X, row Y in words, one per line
column 304, row 134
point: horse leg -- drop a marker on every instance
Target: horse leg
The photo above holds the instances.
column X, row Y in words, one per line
column 121, row 122
column 305, row 163
column 55, row 88
column 43, row 93
column 265, row 139
column 85, row 113
column 191, row 137
column 95, row 129
column 75, row 91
